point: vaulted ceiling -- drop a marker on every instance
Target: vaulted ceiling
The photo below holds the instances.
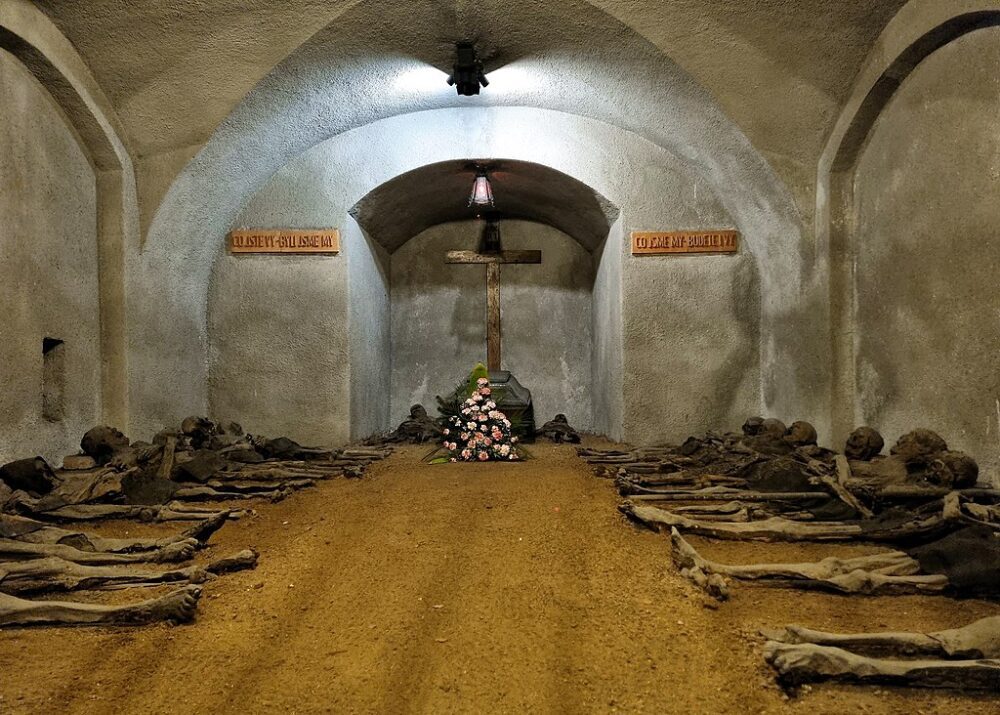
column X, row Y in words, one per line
column 438, row 193
column 174, row 69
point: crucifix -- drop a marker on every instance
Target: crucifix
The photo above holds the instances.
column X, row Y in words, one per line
column 493, row 256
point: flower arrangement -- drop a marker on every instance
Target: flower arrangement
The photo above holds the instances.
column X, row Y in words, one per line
column 480, row 432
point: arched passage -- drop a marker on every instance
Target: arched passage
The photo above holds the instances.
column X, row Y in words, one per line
column 87, row 198
column 410, row 203
column 346, row 77
column 899, row 261
column 645, row 182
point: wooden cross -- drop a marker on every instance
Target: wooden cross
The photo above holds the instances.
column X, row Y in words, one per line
column 493, row 261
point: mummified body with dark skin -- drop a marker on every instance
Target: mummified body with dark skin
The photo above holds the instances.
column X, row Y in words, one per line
column 933, row 530
column 115, row 478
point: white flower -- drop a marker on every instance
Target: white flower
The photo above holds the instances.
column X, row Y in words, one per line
column 471, row 425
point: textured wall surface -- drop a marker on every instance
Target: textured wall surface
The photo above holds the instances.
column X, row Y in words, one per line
column 778, row 68
column 653, row 188
column 928, row 213
column 607, row 360
column 641, row 94
column 48, row 270
column 368, row 265
column 280, row 343
column 691, row 324
column 439, row 319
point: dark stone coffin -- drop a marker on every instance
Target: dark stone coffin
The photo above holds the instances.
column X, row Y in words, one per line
column 514, row 400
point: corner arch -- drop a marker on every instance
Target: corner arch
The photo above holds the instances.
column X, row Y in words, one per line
column 919, row 29
column 38, row 44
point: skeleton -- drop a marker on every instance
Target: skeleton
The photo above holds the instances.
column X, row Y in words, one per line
column 559, row 430
column 171, row 511
column 416, row 429
column 178, row 606
column 14, row 550
column 891, row 573
column 54, row 574
column 35, row 532
column 784, row 529
column 119, row 479
column 108, row 446
column 32, row 475
column 967, row 658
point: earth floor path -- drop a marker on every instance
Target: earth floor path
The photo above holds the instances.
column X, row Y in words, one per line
column 461, row 588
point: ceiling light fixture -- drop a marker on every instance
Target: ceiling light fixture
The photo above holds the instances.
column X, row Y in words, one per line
column 467, row 75
column 482, row 190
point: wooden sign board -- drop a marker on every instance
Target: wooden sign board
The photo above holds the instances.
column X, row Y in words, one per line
column 651, row 243
column 264, row 240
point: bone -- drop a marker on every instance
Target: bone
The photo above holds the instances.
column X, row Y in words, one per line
column 805, row 663
column 980, row 639
column 774, row 529
column 783, row 529
column 33, row 532
column 11, row 550
column 54, row 575
column 177, row 607
column 723, row 494
column 99, row 512
column 892, row 573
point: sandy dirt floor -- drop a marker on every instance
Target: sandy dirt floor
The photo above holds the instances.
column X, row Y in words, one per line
column 462, row 588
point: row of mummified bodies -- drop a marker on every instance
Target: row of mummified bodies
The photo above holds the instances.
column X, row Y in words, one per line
column 774, row 483
column 44, row 550
column 420, row 427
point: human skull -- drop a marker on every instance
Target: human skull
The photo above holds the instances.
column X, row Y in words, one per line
column 752, row 426
column 955, row 470
column 102, row 443
column 773, row 428
column 801, row 434
column 919, row 446
column 863, row 444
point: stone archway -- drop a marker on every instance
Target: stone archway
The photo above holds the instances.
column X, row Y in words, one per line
column 437, row 309
column 319, row 188
column 301, row 103
column 29, row 35
column 919, row 33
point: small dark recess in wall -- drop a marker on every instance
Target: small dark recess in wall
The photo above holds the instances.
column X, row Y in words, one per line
column 53, row 379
